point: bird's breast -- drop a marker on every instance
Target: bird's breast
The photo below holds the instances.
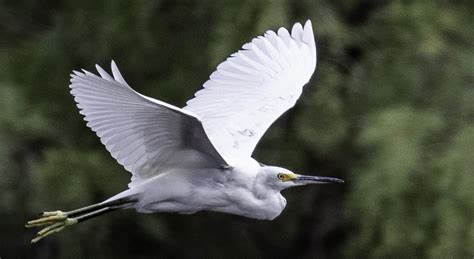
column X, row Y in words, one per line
column 245, row 204
column 272, row 206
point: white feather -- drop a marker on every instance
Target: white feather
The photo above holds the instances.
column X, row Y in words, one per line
column 145, row 135
column 254, row 87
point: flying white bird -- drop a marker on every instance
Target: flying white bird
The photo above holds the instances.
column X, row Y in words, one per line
column 198, row 157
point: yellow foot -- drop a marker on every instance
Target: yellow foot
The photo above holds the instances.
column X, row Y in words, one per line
column 53, row 221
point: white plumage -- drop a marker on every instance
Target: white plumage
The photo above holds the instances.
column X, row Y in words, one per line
column 253, row 87
column 199, row 157
column 145, row 135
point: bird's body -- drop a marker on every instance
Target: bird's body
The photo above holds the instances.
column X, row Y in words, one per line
column 238, row 190
column 198, row 157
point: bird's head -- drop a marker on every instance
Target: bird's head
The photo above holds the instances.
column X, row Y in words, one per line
column 279, row 178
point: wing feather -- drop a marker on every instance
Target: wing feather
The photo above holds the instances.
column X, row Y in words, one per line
column 144, row 135
column 253, row 87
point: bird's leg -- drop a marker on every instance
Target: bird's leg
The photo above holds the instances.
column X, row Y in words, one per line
column 55, row 221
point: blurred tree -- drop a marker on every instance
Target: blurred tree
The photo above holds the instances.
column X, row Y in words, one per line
column 390, row 108
column 414, row 93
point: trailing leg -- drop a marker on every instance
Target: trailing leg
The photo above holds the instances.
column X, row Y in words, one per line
column 55, row 221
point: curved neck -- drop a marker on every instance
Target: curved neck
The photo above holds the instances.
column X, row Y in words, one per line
column 261, row 189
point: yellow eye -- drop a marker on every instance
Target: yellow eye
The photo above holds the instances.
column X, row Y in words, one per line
column 281, row 176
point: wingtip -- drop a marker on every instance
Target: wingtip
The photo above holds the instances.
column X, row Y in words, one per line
column 297, row 31
column 283, row 32
column 113, row 64
column 308, row 27
column 114, row 68
column 99, row 69
column 308, row 34
column 297, row 27
column 270, row 32
column 116, row 73
column 75, row 73
column 103, row 73
column 87, row 73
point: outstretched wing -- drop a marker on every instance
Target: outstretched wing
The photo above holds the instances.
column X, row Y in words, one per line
column 144, row 135
column 254, row 87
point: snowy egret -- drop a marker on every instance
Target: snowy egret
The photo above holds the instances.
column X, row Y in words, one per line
column 198, row 157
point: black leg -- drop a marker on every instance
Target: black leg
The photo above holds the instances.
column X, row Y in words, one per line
column 120, row 203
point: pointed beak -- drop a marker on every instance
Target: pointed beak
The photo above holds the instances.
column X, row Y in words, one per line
column 308, row 179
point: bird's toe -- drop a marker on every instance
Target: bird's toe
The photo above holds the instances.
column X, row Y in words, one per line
column 53, row 221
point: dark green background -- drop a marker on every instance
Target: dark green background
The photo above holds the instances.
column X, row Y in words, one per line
column 390, row 109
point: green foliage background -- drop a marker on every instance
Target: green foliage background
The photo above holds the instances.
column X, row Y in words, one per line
column 390, row 109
